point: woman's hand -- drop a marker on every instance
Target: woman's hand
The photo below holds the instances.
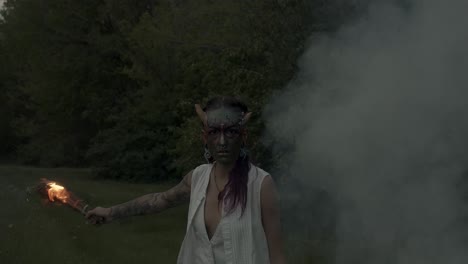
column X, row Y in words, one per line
column 99, row 215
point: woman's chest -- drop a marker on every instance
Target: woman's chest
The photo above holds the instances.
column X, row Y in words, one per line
column 213, row 211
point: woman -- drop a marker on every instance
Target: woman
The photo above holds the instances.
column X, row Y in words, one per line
column 233, row 213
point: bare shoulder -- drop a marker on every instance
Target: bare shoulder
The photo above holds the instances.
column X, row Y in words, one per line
column 188, row 178
column 268, row 194
column 268, row 185
column 186, row 182
column 181, row 192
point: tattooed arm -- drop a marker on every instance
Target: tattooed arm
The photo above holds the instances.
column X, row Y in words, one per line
column 146, row 204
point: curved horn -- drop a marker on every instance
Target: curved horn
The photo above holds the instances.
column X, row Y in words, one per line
column 246, row 118
column 201, row 114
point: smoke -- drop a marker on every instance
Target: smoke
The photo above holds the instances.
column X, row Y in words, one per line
column 377, row 116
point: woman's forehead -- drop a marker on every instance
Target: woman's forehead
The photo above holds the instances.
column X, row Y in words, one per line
column 224, row 116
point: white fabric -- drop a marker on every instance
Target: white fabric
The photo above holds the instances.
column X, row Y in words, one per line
column 216, row 242
column 237, row 240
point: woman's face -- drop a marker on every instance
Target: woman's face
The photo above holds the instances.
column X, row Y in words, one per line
column 223, row 134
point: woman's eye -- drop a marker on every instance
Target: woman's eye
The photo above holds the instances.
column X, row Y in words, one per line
column 233, row 131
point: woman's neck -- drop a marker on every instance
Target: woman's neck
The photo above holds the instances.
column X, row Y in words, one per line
column 222, row 170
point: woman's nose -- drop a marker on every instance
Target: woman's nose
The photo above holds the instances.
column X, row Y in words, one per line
column 222, row 141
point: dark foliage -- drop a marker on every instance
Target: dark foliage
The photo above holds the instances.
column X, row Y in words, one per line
column 112, row 84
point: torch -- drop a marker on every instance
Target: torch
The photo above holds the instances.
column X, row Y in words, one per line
column 55, row 192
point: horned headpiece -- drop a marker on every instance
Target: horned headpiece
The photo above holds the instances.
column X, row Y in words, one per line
column 202, row 115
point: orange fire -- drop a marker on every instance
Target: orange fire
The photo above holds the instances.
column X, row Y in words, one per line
column 56, row 191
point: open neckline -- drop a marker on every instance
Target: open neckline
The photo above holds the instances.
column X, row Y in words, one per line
column 203, row 207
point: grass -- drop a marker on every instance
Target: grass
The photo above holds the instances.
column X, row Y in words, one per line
column 32, row 230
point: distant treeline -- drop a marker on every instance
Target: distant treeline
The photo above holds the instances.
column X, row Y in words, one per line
column 111, row 84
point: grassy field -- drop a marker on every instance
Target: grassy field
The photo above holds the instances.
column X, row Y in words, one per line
column 33, row 230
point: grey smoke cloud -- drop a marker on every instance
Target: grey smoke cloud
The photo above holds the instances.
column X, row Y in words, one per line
column 378, row 116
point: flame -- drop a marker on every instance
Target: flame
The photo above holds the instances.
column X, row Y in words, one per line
column 57, row 191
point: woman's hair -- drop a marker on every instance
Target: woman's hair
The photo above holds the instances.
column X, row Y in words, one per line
column 238, row 176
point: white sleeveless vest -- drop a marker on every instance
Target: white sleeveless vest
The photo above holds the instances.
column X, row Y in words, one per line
column 243, row 237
